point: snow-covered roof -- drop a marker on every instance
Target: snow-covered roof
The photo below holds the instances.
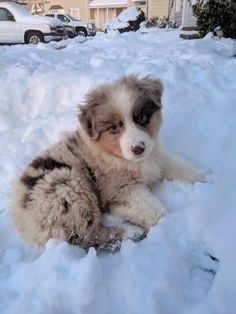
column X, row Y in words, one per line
column 108, row 3
column 56, row 7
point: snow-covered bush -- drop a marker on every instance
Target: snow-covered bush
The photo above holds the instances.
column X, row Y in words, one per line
column 152, row 22
column 214, row 13
column 161, row 22
column 127, row 20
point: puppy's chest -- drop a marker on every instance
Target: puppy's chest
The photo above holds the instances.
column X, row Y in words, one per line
column 150, row 172
column 108, row 183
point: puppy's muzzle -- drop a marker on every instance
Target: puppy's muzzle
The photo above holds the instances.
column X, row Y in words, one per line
column 138, row 149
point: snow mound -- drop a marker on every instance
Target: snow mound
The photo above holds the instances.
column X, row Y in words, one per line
column 127, row 20
column 187, row 263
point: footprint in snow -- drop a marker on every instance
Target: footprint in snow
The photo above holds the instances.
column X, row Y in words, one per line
column 202, row 269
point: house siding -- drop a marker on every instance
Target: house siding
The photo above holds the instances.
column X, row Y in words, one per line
column 158, row 8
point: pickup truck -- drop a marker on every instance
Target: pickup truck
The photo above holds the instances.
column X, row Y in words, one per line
column 83, row 28
column 17, row 25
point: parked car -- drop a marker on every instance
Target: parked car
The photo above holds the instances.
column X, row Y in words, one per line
column 17, row 25
column 84, row 28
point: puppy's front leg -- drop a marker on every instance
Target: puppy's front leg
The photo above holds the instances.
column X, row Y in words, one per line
column 176, row 168
column 137, row 205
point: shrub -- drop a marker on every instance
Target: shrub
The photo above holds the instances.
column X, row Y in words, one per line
column 213, row 13
column 161, row 22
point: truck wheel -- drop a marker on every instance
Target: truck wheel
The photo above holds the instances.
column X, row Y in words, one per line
column 34, row 37
column 81, row 31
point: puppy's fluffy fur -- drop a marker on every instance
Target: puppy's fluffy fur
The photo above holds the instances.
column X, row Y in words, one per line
column 107, row 165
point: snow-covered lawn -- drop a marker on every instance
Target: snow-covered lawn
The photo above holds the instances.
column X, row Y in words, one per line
column 169, row 272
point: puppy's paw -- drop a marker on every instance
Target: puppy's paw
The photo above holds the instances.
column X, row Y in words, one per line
column 200, row 176
column 153, row 216
column 133, row 232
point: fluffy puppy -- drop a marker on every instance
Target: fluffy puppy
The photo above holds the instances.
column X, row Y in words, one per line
column 106, row 166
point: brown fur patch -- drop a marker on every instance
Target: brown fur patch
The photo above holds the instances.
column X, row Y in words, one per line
column 87, row 113
column 109, row 139
column 72, row 144
column 66, row 207
column 152, row 88
column 110, row 143
column 146, row 111
column 155, row 123
column 100, row 119
column 30, row 181
column 47, row 164
column 25, row 200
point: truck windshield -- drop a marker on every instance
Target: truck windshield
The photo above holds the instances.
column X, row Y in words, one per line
column 71, row 17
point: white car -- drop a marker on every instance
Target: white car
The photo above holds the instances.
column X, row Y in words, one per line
column 84, row 28
column 17, row 25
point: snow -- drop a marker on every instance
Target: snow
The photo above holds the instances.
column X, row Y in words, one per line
column 170, row 271
column 129, row 14
column 121, row 21
column 107, row 3
column 16, row 9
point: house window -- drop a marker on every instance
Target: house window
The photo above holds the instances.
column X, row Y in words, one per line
column 178, row 5
column 75, row 13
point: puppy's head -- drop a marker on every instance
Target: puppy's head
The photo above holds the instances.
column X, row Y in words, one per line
column 123, row 118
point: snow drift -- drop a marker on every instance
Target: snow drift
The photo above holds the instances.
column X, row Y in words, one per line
column 171, row 271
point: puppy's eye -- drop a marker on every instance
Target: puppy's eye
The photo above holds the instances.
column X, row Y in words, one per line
column 142, row 119
column 114, row 129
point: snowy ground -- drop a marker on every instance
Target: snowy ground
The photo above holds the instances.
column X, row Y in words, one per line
column 169, row 272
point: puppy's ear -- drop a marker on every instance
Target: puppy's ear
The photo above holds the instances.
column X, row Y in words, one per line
column 152, row 88
column 89, row 111
column 87, row 120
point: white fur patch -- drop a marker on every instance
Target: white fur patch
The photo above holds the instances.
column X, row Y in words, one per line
column 132, row 137
column 123, row 99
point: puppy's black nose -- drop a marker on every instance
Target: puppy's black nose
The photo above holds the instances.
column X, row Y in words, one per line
column 138, row 149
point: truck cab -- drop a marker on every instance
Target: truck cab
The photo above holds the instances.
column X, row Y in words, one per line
column 83, row 28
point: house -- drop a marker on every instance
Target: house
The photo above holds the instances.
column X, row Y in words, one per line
column 157, row 8
column 181, row 12
column 102, row 11
column 56, row 8
column 37, row 8
column 77, row 8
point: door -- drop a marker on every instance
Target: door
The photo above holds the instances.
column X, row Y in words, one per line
column 9, row 28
